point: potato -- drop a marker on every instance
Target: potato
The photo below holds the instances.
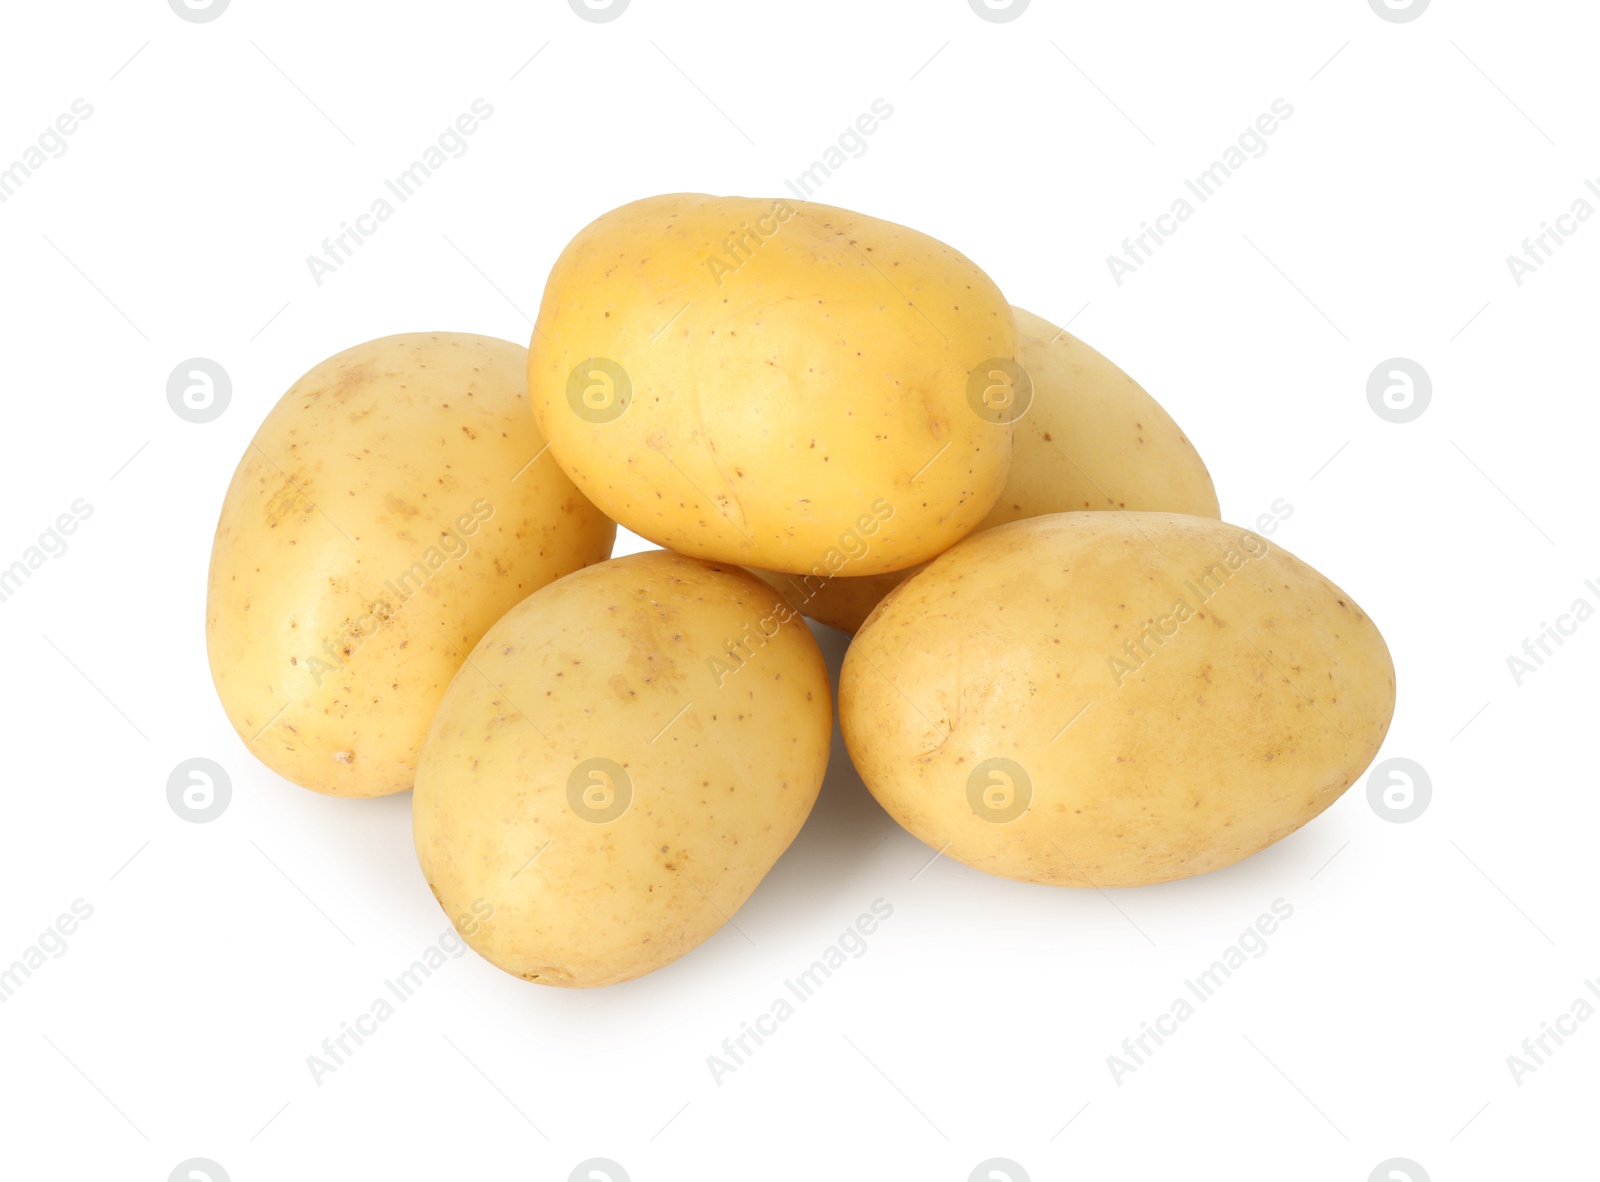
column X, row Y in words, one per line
column 390, row 508
column 766, row 383
column 622, row 760
column 1091, row 439
column 1113, row 699
column 839, row 601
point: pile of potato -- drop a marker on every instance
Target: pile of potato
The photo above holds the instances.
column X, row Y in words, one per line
column 1066, row 668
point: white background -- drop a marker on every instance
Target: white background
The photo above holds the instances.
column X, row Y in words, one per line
column 978, row 1024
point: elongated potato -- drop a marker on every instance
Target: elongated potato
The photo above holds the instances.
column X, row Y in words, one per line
column 1092, row 439
column 761, row 382
column 387, row 512
column 630, row 751
column 1110, row 699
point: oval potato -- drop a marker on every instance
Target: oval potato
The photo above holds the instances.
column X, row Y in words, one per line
column 385, row 514
column 1110, row 699
column 751, row 381
column 1092, row 439
column 627, row 755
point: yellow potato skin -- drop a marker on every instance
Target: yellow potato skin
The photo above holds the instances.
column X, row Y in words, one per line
column 783, row 386
column 1249, row 720
column 723, row 751
column 384, row 515
column 1093, row 439
column 840, row 601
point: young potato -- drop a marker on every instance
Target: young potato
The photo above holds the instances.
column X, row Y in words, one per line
column 752, row 381
column 390, row 508
column 1113, row 699
column 624, row 759
column 1091, row 439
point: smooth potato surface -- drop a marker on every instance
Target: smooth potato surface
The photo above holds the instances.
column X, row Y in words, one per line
column 385, row 514
column 624, row 758
column 1092, row 439
column 752, row 381
column 1110, row 699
